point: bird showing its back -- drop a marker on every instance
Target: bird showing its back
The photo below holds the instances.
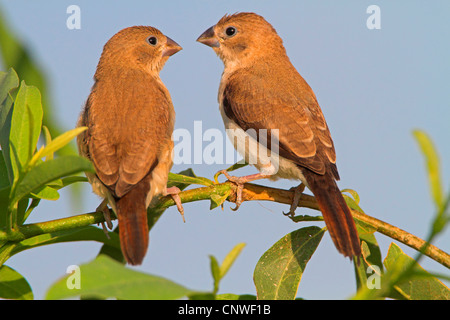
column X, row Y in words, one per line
column 130, row 120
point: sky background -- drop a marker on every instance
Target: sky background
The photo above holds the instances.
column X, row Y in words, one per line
column 374, row 87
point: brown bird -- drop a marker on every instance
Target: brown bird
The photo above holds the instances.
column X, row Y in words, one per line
column 264, row 102
column 130, row 120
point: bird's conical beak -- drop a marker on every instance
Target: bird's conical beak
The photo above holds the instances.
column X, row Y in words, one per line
column 171, row 48
column 209, row 38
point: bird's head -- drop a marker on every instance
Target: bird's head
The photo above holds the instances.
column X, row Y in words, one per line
column 241, row 38
column 139, row 47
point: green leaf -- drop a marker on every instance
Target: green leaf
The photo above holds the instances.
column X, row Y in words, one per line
column 5, row 250
column 4, row 180
column 218, row 272
column 352, row 204
column 56, row 144
column 366, row 234
column 8, row 82
column 107, row 278
column 217, row 199
column 13, row 285
column 215, row 271
column 424, row 286
column 371, row 252
column 29, row 209
column 279, row 270
column 67, row 181
column 46, row 193
column 188, row 178
column 89, row 233
column 25, row 126
column 48, row 139
column 360, row 269
column 230, row 259
column 4, row 200
column 51, row 170
column 22, row 209
column 433, row 169
column 354, row 194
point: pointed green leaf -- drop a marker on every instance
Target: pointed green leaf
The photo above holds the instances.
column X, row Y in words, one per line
column 279, row 270
column 230, row 259
column 5, row 250
column 175, row 178
column 48, row 139
column 217, row 200
column 352, row 203
column 25, row 126
column 8, row 82
column 4, row 181
column 13, row 285
column 56, row 144
column 46, row 193
column 423, row 287
column 51, row 170
column 107, row 278
column 354, row 194
column 4, row 200
column 215, row 272
column 89, row 233
column 433, row 168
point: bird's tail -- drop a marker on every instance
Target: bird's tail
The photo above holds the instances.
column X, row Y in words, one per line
column 336, row 213
column 133, row 228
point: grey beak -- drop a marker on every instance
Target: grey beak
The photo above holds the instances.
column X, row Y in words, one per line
column 209, row 38
column 171, row 48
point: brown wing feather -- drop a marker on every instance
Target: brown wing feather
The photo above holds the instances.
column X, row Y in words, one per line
column 304, row 137
column 123, row 159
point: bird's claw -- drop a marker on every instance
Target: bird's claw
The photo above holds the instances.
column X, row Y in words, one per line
column 239, row 182
column 173, row 192
column 103, row 208
column 296, row 198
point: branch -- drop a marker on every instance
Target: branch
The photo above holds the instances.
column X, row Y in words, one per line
column 251, row 192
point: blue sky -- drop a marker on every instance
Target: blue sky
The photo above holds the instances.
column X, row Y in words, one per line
column 374, row 87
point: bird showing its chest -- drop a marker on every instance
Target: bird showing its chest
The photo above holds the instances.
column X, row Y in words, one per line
column 258, row 148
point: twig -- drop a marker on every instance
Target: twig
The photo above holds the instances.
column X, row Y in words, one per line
column 251, row 192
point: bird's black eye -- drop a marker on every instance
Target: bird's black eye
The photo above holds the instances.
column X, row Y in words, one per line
column 152, row 40
column 231, row 31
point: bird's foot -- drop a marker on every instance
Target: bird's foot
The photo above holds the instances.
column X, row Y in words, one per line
column 103, row 207
column 297, row 195
column 173, row 192
column 240, row 181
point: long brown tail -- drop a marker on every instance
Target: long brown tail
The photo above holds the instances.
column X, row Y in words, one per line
column 133, row 228
column 335, row 212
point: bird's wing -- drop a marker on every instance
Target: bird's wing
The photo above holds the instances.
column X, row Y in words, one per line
column 129, row 134
column 304, row 137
